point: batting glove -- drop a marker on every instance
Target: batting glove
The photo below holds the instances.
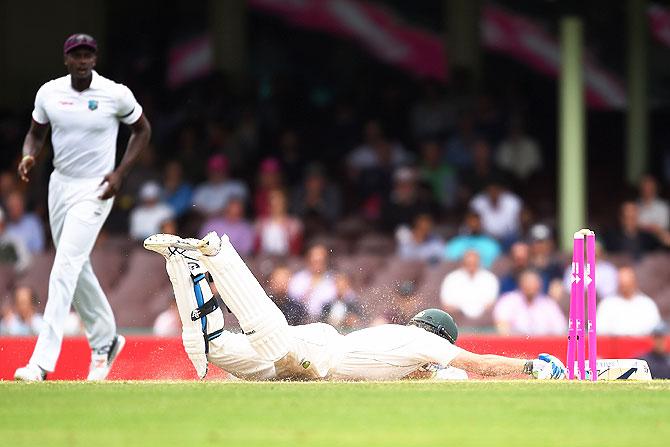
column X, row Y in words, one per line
column 547, row 367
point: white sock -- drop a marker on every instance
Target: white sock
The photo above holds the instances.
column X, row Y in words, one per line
column 260, row 319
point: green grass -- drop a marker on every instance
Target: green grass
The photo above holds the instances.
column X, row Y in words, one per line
column 534, row 414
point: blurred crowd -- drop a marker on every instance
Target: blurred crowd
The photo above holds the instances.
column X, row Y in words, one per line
column 446, row 181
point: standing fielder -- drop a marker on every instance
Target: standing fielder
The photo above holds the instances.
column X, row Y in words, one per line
column 84, row 110
column 270, row 349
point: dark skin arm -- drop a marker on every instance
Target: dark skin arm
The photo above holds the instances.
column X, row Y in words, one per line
column 32, row 145
column 139, row 138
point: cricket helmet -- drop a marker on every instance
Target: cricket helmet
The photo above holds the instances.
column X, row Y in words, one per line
column 438, row 322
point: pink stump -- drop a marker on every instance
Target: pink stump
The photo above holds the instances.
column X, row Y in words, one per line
column 590, row 279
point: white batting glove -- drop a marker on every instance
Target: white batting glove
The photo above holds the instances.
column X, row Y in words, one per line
column 547, row 366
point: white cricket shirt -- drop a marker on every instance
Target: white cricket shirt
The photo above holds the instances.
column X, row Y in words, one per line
column 617, row 315
column 471, row 294
column 499, row 220
column 85, row 125
column 390, row 352
column 386, row 352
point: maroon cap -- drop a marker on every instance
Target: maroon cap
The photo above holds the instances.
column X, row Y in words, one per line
column 79, row 40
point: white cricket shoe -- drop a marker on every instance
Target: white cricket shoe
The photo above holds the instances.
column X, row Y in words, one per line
column 30, row 373
column 102, row 359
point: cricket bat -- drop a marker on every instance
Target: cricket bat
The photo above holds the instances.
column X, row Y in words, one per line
column 620, row 369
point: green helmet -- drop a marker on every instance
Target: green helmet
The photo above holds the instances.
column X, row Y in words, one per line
column 438, row 322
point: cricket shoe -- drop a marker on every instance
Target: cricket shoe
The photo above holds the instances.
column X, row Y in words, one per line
column 30, row 373
column 102, row 359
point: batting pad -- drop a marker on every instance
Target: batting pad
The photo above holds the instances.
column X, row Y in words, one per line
column 201, row 318
column 260, row 319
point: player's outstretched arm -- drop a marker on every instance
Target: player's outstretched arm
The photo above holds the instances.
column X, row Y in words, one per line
column 544, row 367
column 488, row 364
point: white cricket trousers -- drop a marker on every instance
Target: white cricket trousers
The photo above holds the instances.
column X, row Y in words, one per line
column 76, row 216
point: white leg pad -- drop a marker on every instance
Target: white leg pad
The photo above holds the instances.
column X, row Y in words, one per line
column 260, row 319
column 188, row 275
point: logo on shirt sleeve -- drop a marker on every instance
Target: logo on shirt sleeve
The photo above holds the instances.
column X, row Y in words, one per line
column 92, row 104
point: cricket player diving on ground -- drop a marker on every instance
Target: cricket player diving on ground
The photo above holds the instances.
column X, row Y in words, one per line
column 270, row 349
column 83, row 110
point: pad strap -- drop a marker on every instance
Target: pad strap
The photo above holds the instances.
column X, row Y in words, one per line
column 204, row 310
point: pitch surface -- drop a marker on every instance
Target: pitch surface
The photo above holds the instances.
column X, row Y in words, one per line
column 339, row 414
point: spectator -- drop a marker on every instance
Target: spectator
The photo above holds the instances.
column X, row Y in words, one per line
column 212, row 196
column 12, row 249
column 470, row 290
column 520, row 255
column 317, row 202
column 278, row 233
column 459, row 148
column 188, row 151
column 630, row 312
column 471, row 237
column 628, row 237
column 519, row 154
column 658, row 358
column 247, row 135
column 527, row 220
column 606, row 274
column 292, row 163
column 404, row 303
column 654, row 213
column 527, row 311
column 269, row 180
column 23, row 319
column 343, row 131
column 371, row 167
column 144, row 171
column 482, row 172
column 432, row 116
column 314, row 286
column 488, row 119
column 177, row 192
column 7, row 184
column 500, row 211
column 438, row 174
column 168, row 323
column 278, row 286
column 405, row 202
column 343, row 312
column 232, row 222
column 375, row 149
column 146, row 219
column 169, row 227
column 544, row 258
column 420, row 242
column 220, row 140
column 25, row 226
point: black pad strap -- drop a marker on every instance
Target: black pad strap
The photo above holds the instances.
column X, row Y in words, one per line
column 214, row 334
column 206, row 309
